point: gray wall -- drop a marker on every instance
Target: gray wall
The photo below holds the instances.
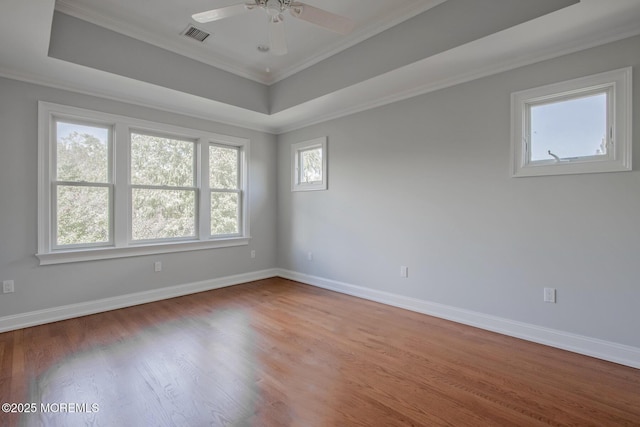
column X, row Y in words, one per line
column 51, row 286
column 425, row 183
column 84, row 43
column 446, row 26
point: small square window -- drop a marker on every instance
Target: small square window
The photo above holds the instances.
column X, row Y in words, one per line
column 578, row 126
column 309, row 165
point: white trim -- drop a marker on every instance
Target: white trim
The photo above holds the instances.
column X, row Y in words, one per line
column 272, row 124
column 40, row 317
column 122, row 246
column 471, row 73
column 396, row 17
column 178, row 46
column 202, row 54
column 605, row 350
column 93, row 254
column 236, row 117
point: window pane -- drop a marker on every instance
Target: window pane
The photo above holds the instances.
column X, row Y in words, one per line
column 163, row 214
column 569, row 128
column 161, row 161
column 311, row 165
column 225, row 213
column 82, row 153
column 223, row 167
column 82, row 215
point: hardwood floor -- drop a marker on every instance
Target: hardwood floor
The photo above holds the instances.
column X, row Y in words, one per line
column 279, row 353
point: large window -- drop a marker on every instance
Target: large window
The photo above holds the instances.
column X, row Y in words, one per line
column 112, row 186
column 578, row 126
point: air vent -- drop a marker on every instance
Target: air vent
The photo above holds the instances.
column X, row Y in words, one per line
column 195, row 33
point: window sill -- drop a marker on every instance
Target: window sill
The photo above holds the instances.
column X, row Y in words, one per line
column 309, row 187
column 571, row 167
column 93, row 254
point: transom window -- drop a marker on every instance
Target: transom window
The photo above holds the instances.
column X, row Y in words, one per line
column 113, row 186
column 578, row 126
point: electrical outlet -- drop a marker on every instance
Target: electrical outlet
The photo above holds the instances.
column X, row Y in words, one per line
column 549, row 295
column 8, row 287
column 404, row 271
column 309, row 256
column 157, row 266
column 253, row 254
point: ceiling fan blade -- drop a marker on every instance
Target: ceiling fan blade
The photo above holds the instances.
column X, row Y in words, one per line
column 322, row 18
column 277, row 37
column 221, row 13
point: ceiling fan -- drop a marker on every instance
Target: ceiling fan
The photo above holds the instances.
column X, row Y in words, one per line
column 275, row 10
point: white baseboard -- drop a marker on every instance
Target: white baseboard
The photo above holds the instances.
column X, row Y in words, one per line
column 613, row 352
column 40, row 317
column 610, row 351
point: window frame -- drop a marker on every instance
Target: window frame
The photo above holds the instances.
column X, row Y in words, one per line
column 296, row 150
column 616, row 84
column 121, row 244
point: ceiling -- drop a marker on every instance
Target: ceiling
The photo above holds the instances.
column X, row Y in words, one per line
column 233, row 43
column 399, row 49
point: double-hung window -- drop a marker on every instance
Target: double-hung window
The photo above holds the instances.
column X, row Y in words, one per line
column 112, row 186
column 82, row 184
column 163, row 187
column 225, row 183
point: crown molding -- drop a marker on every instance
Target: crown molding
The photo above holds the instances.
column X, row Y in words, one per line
column 397, row 85
column 176, row 45
column 477, row 71
column 307, row 114
column 398, row 16
column 187, row 49
column 232, row 116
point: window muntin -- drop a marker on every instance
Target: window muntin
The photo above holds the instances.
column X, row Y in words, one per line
column 309, row 165
column 163, row 187
column 82, row 190
column 572, row 127
column 226, row 192
column 120, row 197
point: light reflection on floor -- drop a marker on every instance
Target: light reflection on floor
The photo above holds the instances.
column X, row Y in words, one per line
column 159, row 376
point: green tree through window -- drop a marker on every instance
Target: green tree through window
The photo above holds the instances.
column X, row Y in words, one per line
column 83, row 185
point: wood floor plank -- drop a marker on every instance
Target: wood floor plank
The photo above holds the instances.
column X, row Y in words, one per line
column 278, row 353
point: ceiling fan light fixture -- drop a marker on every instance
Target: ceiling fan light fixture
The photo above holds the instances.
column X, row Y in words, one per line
column 274, row 10
column 273, row 7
